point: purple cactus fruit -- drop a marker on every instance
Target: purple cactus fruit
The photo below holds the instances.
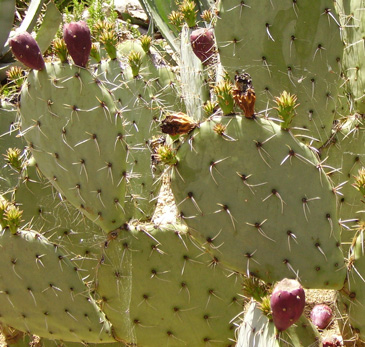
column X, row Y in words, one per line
column 25, row 48
column 202, row 42
column 78, row 41
column 321, row 316
column 332, row 341
column 287, row 303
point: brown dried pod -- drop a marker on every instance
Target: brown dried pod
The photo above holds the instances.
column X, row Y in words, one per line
column 178, row 124
column 244, row 94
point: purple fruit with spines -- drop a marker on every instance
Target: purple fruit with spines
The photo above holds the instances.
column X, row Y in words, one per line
column 203, row 44
column 78, row 41
column 287, row 303
column 25, row 48
column 321, row 316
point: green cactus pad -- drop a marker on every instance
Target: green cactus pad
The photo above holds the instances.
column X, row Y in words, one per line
column 257, row 200
column 351, row 299
column 344, row 155
column 159, row 289
column 42, row 291
column 60, row 343
column 9, row 131
column 352, row 20
column 74, row 131
column 257, row 330
column 58, row 221
column 285, row 44
column 143, row 101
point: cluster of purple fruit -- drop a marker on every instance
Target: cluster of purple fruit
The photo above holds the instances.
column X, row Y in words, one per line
column 287, row 305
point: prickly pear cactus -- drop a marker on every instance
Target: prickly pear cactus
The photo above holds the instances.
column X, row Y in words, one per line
column 76, row 140
column 259, row 193
column 143, row 99
column 58, row 220
column 291, row 45
column 158, row 288
column 236, row 184
column 344, row 156
column 35, row 273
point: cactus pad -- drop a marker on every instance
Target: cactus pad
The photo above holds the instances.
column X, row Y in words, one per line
column 258, row 200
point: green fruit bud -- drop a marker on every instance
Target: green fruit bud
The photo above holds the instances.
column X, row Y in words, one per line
column 176, row 19
column 165, row 154
column 4, row 204
column 95, row 52
column 287, row 104
column 187, row 8
column 145, row 42
column 13, row 157
column 360, row 181
column 13, row 218
column 15, row 74
column 223, row 90
column 135, row 62
column 110, row 39
column 60, row 49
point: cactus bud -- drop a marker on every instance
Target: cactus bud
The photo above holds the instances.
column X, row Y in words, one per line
column 78, row 40
column 16, row 75
column 209, row 108
column 223, row 90
column 287, row 303
column 176, row 19
column 13, row 218
column 135, row 62
column 178, row 124
column 253, row 287
column 60, row 49
column 244, row 94
column 203, row 44
column 4, row 204
column 265, row 306
column 360, row 181
column 187, row 8
column 165, row 154
column 145, row 42
column 110, row 39
column 208, row 17
column 286, row 108
column 100, row 26
column 25, row 48
column 95, row 52
column 13, row 158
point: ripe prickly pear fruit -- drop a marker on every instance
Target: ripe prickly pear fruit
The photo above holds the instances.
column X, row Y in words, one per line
column 203, row 44
column 321, row 316
column 287, row 303
column 25, row 48
column 332, row 341
column 78, row 41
